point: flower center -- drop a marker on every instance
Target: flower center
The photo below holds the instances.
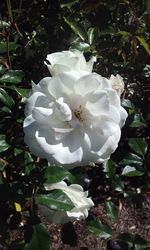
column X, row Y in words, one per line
column 79, row 114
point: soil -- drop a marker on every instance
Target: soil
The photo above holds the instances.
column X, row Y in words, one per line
column 75, row 236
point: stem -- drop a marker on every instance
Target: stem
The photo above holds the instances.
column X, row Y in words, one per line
column 9, row 10
column 8, row 2
column 20, row 6
column 8, row 53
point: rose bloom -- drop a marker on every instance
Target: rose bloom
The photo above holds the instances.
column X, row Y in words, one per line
column 79, row 199
column 74, row 118
column 67, row 61
column 117, row 83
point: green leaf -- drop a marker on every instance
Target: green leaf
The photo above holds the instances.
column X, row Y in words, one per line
column 12, row 76
column 144, row 43
column 17, row 151
column 125, row 237
column 102, row 230
column 137, row 121
column 22, row 92
column 123, row 33
column 2, row 70
column 56, row 200
column 40, row 239
column 68, row 3
column 91, row 35
column 4, row 24
column 2, row 164
column 131, row 172
column 27, row 158
column 127, row 104
column 132, row 159
column 138, row 145
column 133, row 198
column 85, row 47
column 4, row 47
column 110, row 168
column 139, row 242
column 3, row 144
column 77, row 28
column 6, row 99
column 55, row 174
column 148, row 158
column 118, row 183
column 112, row 211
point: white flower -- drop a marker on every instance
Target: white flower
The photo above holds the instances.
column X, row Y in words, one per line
column 117, row 83
column 78, row 197
column 73, row 119
column 67, row 61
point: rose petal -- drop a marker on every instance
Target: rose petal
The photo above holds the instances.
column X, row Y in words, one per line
column 97, row 102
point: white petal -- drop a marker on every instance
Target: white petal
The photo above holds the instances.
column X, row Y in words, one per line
column 108, row 148
column 86, row 84
column 76, row 187
column 57, row 69
column 37, row 99
column 89, row 64
column 58, row 185
column 42, row 115
column 105, row 83
column 71, row 151
column 106, row 127
column 114, row 114
column 59, row 57
column 96, row 139
column 65, row 112
column 117, row 83
column 57, row 86
column 30, row 128
column 97, row 102
column 43, row 85
column 113, row 98
column 48, row 143
column 123, row 115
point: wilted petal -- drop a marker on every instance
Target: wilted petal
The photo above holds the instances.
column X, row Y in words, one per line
column 117, row 83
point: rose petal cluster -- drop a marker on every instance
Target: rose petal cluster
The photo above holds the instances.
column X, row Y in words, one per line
column 75, row 117
column 79, row 198
column 67, row 61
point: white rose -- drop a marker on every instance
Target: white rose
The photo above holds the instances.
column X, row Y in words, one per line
column 117, row 83
column 67, row 61
column 78, row 197
column 74, row 119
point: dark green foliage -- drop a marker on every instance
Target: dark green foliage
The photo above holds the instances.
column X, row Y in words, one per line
column 100, row 229
column 56, row 200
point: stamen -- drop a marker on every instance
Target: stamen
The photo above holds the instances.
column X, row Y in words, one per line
column 78, row 114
